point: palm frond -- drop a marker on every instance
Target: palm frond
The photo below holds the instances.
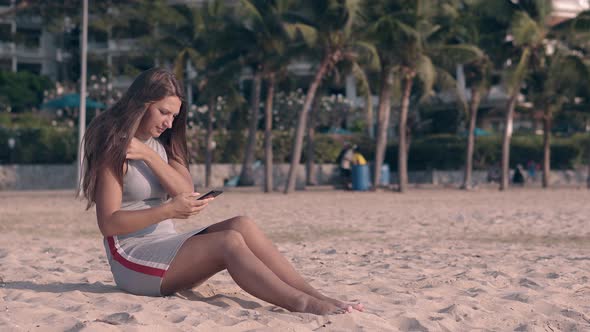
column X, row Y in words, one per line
column 525, row 30
column 369, row 54
column 426, row 72
column 567, row 74
column 250, row 10
column 360, row 75
column 543, row 9
column 179, row 64
column 448, row 56
column 516, row 77
column 308, row 33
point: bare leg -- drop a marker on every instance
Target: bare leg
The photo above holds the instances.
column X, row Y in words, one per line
column 267, row 252
column 204, row 255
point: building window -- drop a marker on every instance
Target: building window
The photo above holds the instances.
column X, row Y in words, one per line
column 5, row 33
column 5, row 65
column 34, row 68
column 30, row 38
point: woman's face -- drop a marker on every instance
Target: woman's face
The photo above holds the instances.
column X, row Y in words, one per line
column 158, row 117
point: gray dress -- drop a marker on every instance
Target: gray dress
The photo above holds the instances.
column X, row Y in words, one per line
column 140, row 260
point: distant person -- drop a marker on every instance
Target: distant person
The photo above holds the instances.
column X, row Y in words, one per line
column 358, row 158
column 532, row 169
column 344, row 161
column 518, row 177
column 136, row 157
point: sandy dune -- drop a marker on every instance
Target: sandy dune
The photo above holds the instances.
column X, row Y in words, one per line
column 429, row 260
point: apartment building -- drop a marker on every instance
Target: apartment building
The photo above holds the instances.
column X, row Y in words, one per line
column 25, row 45
column 40, row 51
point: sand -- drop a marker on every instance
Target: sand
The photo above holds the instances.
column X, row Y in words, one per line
column 428, row 260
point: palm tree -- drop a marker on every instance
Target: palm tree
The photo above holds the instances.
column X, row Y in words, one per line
column 474, row 27
column 415, row 27
column 558, row 73
column 579, row 41
column 552, row 81
column 528, row 29
column 199, row 39
column 328, row 26
column 265, row 45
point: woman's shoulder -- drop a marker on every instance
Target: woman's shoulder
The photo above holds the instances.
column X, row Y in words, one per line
column 160, row 149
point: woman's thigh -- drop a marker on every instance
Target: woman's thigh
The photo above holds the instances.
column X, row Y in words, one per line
column 200, row 257
column 241, row 224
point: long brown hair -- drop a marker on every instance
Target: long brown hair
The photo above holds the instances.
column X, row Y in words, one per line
column 108, row 135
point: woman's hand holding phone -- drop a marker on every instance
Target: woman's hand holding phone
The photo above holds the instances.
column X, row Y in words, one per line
column 184, row 205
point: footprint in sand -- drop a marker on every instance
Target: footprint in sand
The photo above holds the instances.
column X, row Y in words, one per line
column 411, row 324
column 578, row 317
column 118, row 318
column 528, row 283
column 517, row 297
column 176, row 318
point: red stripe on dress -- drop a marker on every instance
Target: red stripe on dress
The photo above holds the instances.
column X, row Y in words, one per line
column 131, row 265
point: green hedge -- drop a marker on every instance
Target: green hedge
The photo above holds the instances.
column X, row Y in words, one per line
column 447, row 152
column 230, row 147
column 22, row 90
column 48, row 144
column 44, row 145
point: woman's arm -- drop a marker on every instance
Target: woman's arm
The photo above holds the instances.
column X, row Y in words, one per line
column 173, row 176
column 114, row 221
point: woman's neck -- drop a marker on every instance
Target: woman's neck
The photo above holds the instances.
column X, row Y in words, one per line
column 143, row 137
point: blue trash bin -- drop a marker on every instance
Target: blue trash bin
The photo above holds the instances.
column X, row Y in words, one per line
column 360, row 177
column 385, row 175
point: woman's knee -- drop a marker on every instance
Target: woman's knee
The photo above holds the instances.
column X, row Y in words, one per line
column 232, row 240
column 242, row 223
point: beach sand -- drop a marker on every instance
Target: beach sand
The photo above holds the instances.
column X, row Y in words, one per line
column 428, row 260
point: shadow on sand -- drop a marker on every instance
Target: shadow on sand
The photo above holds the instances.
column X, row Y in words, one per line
column 60, row 287
column 216, row 299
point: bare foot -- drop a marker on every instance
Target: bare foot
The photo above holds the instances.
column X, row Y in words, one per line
column 322, row 307
column 354, row 304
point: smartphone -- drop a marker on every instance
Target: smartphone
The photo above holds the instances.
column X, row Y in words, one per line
column 212, row 193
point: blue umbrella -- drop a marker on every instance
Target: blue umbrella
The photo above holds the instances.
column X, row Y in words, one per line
column 477, row 132
column 71, row 100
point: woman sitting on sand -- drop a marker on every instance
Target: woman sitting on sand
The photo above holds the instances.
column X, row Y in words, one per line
column 135, row 156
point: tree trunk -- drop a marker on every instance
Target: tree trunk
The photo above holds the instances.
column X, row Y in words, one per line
column 301, row 121
column 546, row 147
column 402, row 158
column 209, row 143
column 505, row 181
column 473, row 107
column 369, row 115
column 268, row 183
column 383, row 123
column 310, row 150
column 246, row 175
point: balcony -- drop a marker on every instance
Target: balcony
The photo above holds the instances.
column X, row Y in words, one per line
column 6, row 47
column 564, row 9
column 113, row 46
column 29, row 52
